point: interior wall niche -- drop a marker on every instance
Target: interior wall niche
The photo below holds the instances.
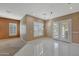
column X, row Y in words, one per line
column 34, row 28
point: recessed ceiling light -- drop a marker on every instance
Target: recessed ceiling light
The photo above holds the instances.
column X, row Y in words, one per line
column 8, row 11
column 70, row 5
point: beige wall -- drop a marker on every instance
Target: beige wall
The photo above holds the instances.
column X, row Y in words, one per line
column 48, row 29
column 75, row 27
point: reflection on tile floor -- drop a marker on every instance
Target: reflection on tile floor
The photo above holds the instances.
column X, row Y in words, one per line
column 49, row 47
column 39, row 47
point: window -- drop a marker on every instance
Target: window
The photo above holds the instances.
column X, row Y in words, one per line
column 12, row 29
column 62, row 30
column 55, row 30
column 38, row 29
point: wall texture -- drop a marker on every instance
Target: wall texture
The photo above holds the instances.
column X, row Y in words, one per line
column 48, row 31
column 4, row 27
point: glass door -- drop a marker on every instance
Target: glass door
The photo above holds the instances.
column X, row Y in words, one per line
column 62, row 30
column 65, row 30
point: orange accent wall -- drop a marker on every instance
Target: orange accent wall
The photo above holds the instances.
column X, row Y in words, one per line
column 4, row 27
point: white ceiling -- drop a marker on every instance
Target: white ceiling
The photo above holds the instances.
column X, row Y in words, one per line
column 40, row 10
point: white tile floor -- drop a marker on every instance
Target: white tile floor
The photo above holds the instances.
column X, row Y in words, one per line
column 48, row 47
